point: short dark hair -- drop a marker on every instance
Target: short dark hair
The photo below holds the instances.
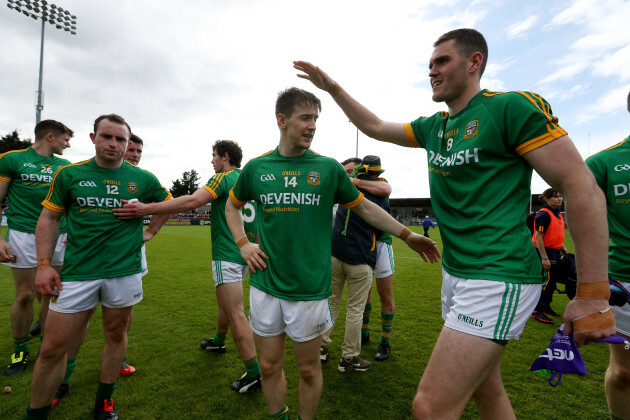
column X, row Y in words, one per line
column 354, row 160
column 231, row 148
column 136, row 139
column 51, row 126
column 467, row 41
column 547, row 194
column 115, row 118
column 628, row 101
column 289, row 98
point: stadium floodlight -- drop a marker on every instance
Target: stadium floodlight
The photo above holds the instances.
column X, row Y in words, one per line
column 56, row 16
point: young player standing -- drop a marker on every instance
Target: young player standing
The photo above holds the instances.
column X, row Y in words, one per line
column 480, row 156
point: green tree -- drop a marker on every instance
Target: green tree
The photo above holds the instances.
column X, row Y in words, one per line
column 12, row 142
column 187, row 185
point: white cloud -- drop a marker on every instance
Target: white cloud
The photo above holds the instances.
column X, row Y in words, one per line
column 612, row 101
column 519, row 28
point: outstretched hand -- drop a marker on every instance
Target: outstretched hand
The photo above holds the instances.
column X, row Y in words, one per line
column 424, row 246
column 130, row 210
column 314, row 74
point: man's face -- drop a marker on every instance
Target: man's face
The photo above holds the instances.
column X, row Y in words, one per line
column 134, row 153
column 59, row 143
column 110, row 141
column 447, row 72
column 300, row 126
column 219, row 163
column 349, row 167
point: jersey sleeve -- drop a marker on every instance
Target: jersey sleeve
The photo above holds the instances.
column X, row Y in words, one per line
column 6, row 170
column 241, row 193
column 417, row 130
column 542, row 221
column 156, row 192
column 595, row 164
column 347, row 195
column 527, row 122
column 56, row 198
column 215, row 186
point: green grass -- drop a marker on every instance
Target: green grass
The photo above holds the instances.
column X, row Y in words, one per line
column 177, row 380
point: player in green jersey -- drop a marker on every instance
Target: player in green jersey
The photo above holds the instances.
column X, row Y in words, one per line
column 480, row 155
column 25, row 175
column 228, row 268
column 295, row 189
column 611, row 168
column 102, row 261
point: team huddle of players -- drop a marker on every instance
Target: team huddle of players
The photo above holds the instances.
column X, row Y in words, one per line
column 481, row 158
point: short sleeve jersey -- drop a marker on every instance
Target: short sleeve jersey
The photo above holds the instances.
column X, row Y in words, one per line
column 480, row 183
column 294, row 197
column 29, row 175
column 100, row 245
column 223, row 246
column 611, row 168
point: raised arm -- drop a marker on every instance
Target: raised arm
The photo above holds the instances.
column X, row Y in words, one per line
column 175, row 205
column 364, row 119
column 378, row 188
column 46, row 234
column 562, row 167
column 380, row 219
column 251, row 252
column 5, row 248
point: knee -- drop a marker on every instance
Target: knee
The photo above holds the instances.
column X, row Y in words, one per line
column 117, row 335
column 269, row 367
column 51, row 351
column 421, row 408
column 25, row 297
column 308, row 373
column 619, row 375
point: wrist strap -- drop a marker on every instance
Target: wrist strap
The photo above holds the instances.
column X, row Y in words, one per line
column 404, row 234
column 599, row 290
column 152, row 231
column 241, row 242
column 43, row 261
column 601, row 320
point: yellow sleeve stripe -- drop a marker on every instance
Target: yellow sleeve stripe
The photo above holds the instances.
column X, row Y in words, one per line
column 211, row 191
column 53, row 207
column 5, row 179
column 12, row 151
column 354, row 202
column 217, row 180
column 169, row 196
column 235, row 200
column 609, row 148
column 52, row 184
column 554, row 132
column 410, row 136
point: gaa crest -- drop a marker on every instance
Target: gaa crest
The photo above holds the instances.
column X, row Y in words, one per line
column 471, row 129
column 132, row 187
column 313, row 178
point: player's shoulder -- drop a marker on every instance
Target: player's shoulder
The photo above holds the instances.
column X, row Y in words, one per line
column 11, row 154
column 609, row 152
column 78, row 166
column 501, row 99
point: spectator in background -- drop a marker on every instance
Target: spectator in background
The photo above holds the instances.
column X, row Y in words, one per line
column 427, row 224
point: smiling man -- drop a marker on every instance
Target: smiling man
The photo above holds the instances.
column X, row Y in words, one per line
column 295, row 189
column 480, row 155
column 102, row 261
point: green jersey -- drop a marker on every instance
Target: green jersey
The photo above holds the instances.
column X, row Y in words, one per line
column 29, row 175
column 294, row 197
column 385, row 236
column 480, row 183
column 100, row 245
column 223, row 246
column 611, row 168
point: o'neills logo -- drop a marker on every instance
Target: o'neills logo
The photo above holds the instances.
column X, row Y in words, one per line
column 470, row 320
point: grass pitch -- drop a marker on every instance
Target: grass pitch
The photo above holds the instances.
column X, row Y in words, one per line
column 177, row 380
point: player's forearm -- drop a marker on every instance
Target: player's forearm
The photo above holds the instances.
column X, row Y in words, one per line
column 234, row 219
column 586, row 217
column 378, row 218
column 179, row 204
column 46, row 234
column 378, row 188
column 157, row 221
column 541, row 245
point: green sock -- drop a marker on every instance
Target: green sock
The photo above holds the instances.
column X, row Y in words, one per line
column 387, row 322
column 613, row 417
column 104, row 392
column 280, row 415
column 21, row 344
column 219, row 339
column 37, row 413
column 72, row 363
column 252, row 367
column 365, row 328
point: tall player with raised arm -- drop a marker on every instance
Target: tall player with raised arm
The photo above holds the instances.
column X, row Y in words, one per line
column 480, row 155
column 295, row 189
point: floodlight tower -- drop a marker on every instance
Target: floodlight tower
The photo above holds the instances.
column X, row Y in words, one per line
column 47, row 12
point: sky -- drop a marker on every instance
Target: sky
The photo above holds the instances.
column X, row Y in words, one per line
column 187, row 73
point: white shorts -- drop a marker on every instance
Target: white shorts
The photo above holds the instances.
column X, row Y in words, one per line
column 114, row 292
column 384, row 260
column 228, row 272
column 23, row 247
column 302, row 320
column 622, row 314
column 487, row 308
column 143, row 263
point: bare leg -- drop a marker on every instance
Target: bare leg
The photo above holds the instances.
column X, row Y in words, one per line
column 459, row 365
column 22, row 308
column 115, row 325
column 274, row 384
column 310, row 368
column 51, row 363
column 617, row 382
column 230, row 298
column 386, row 293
